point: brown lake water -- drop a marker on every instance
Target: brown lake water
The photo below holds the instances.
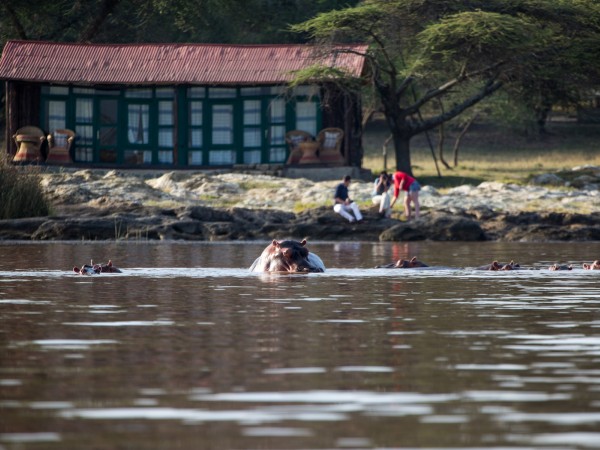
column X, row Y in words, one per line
column 188, row 350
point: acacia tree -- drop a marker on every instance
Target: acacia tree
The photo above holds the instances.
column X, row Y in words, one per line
column 423, row 52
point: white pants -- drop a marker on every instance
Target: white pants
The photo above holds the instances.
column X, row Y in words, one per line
column 343, row 209
column 383, row 201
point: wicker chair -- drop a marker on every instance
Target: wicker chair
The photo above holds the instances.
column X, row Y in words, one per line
column 294, row 138
column 330, row 145
column 29, row 142
column 59, row 146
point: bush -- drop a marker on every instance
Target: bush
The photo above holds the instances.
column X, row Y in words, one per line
column 21, row 193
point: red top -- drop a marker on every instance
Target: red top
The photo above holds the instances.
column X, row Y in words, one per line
column 398, row 178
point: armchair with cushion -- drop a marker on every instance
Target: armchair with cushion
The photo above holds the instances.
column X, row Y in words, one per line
column 330, row 144
column 59, row 146
column 294, row 138
column 29, row 142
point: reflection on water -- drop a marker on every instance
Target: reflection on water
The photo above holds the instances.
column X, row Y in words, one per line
column 187, row 349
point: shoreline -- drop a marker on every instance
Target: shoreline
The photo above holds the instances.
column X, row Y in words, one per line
column 203, row 206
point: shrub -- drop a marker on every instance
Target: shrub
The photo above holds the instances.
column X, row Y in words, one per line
column 21, row 193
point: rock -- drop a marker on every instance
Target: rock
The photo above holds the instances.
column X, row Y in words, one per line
column 437, row 227
column 548, row 179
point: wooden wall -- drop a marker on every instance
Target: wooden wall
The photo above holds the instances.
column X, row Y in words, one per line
column 22, row 109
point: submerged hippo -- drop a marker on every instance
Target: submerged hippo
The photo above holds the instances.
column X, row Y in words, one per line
column 500, row 266
column 560, row 267
column 593, row 266
column 403, row 264
column 93, row 269
column 289, row 257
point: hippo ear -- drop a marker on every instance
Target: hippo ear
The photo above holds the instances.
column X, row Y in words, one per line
column 414, row 258
column 303, row 242
column 275, row 243
column 109, row 264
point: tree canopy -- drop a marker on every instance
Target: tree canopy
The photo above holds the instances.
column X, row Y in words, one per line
column 201, row 21
column 454, row 53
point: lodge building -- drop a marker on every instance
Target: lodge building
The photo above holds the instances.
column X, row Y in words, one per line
column 177, row 105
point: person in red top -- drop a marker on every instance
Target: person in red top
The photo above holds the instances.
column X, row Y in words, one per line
column 404, row 182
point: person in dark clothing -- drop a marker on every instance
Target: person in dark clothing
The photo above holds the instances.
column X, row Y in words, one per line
column 343, row 204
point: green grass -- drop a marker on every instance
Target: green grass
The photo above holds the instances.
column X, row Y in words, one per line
column 489, row 153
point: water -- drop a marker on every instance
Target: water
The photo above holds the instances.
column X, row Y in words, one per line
column 186, row 349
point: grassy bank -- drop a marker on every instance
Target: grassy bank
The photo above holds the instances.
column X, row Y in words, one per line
column 489, row 153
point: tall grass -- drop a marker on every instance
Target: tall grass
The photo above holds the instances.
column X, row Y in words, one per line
column 21, row 194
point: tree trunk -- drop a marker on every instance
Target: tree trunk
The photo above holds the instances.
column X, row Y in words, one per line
column 441, row 138
column 402, row 147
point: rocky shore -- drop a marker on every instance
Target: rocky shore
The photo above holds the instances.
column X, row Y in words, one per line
column 214, row 206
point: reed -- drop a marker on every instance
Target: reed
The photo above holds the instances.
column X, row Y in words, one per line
column 21, row 193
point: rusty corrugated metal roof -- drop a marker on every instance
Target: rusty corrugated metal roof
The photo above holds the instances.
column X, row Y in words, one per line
column 88, row 64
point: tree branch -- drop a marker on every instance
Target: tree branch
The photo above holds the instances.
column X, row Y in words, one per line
column 106, row 9
column 441, row 90
column 21, row 33
column 487, row 90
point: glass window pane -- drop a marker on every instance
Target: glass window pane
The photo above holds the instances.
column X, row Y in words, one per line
column 138, row 93
column 84, row 110
column 83, row 154
column 195, row 158
column 196, row 113
column 222, row 127
column 308, row 91
column 196, row 92
column 196, row 138
column 252, row 137
column 165, row 113
column 252, row 112
column 277, row 110
column 277, row 90
column 221, row 157
column 137, row 123
column 165, row 137
column 277, row 154
column 108, row 136
column 306, row 117
column 248, row 91
column 57, row 115
column 165, row 92
column 165, row 156
column 84, row 135
column 108, row 112
column 277, row 134
column 58, row 90
column 217, row 92
column 252, row 157
column 80, row 90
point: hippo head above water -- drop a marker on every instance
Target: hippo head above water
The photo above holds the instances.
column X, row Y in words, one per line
column 404, row 264
column 288, row 257
column 93, row 269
